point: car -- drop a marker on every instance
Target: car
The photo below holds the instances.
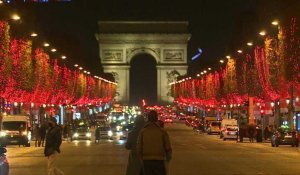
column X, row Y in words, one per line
column 229, row 133
column 168, row 120
column 281, row 137
column 126, row 129
column 82, row 133
column 104, row 132
column 117, row 132
column 214, row 127
column 4, row 166
column 188, row 122
column 182, row 116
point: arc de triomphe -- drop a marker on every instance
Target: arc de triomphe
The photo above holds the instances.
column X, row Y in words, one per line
column 166, row 42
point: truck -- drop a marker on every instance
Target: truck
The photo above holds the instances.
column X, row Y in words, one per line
column 15, row 130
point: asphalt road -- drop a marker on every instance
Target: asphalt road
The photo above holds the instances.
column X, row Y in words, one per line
column 194, row 154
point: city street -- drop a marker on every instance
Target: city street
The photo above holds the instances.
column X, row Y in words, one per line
column 193, row 154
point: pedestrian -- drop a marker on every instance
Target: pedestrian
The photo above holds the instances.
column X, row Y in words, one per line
column 154, row 147
column 37, row 137
column 70, row 133
column 42, row 133
column 65, row 131
column 52, row 148
column 266, row 133
column 251, row 131
column 21, row 129
column 97, row 134
column 134, row 166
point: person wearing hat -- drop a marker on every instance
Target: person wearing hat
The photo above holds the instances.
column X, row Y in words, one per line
column 134, row 165
column 154, row 147
column 52, row 148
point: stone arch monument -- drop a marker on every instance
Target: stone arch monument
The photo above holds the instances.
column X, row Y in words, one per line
column 166, row 42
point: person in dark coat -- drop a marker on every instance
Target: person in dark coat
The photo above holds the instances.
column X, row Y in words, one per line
column 36, row 132
column 251, row 132
column 154, row 147
column 42, row 133
column 134, row 166
column 97, row 134
column 52, row 148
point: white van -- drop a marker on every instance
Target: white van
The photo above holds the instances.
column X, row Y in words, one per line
column 229, row 129
column 15, row 130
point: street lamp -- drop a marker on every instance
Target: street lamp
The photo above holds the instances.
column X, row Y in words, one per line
column 275, row 22
column 249, row 43
column 46, row 44
column 262, row 33
column 33, row 34
column 240, row 51
column 53, row 50
column 63, row 57
column 221, row 61
column 15, row 17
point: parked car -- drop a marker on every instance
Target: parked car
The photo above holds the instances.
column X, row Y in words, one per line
column 4, row 166
column 214, row 127
column 168, row 120
column 281, row 137
column 188, row 121
column 229, row 133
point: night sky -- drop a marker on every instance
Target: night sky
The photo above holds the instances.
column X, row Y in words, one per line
column 71, row 26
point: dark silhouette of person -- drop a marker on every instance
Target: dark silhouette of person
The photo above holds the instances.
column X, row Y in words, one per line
column 134, row 166
column 251, row 131
column 42, row 132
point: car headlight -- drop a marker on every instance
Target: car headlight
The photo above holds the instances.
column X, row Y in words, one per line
column 120, row 133
column 88, row 134
column 75, row 135
column 110, row 133
column 2, row 133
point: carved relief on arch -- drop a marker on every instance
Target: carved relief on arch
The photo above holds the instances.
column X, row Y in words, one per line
column 131, row 52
